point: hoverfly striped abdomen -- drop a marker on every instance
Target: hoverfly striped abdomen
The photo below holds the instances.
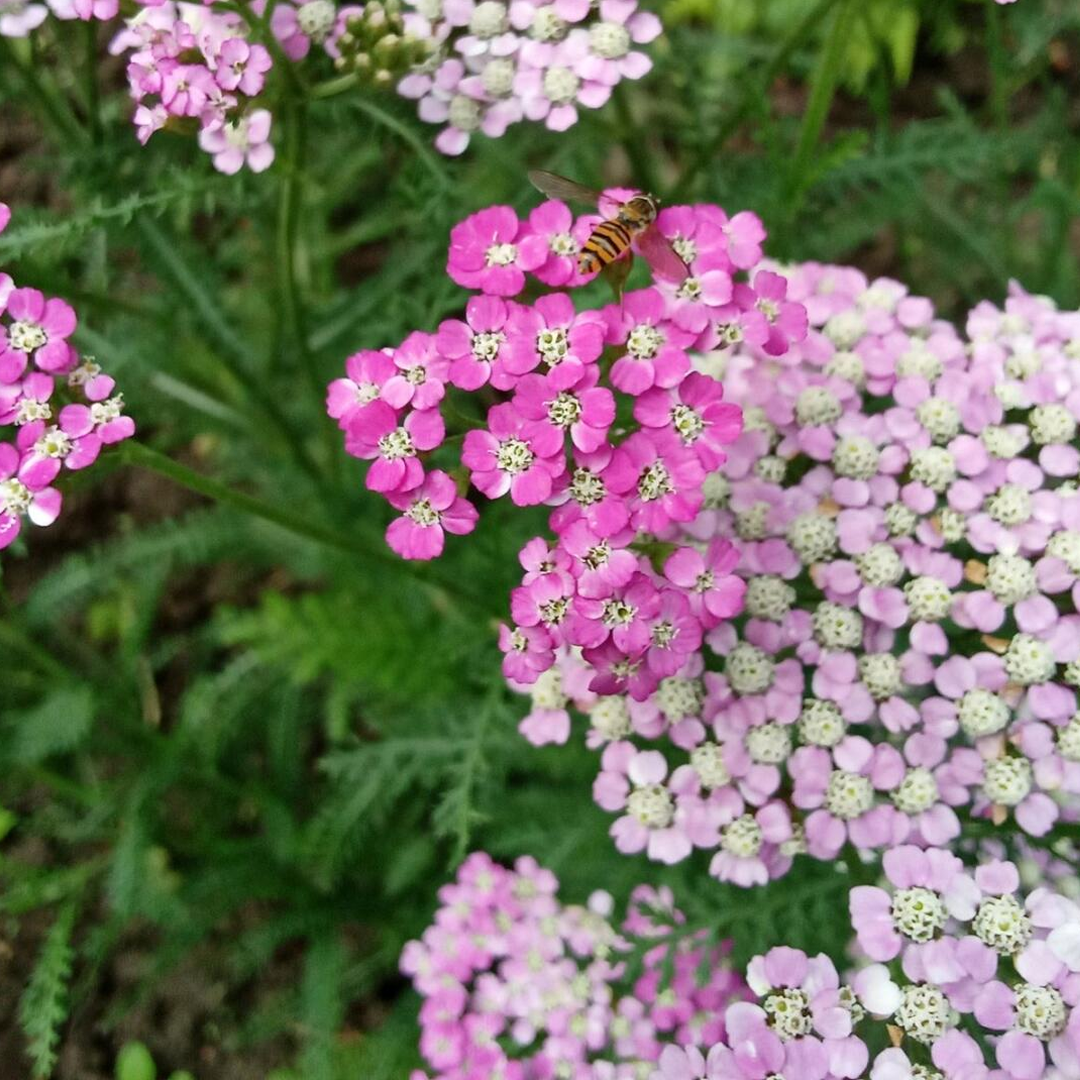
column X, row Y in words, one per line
column 610, row 240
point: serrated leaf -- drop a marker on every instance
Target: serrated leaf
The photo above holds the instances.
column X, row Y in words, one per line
column 55, row 726
column 44, row 1005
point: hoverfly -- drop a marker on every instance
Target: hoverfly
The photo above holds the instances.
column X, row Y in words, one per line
column 633, row 224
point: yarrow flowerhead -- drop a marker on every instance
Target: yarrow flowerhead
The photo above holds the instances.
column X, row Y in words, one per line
column 61, row 408
column 516, row 982
column 596, row 414
column 903, row 510
column 490, row 64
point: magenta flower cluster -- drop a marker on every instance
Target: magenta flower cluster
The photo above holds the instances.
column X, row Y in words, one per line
column 498, row 63
column 516, row 984
column 905, row 511
column 62, row 407
column 597, row 414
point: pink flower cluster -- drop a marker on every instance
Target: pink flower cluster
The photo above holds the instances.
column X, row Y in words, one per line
column 62, row 407
column 494, row 63
column 597, row 414
column 193, row 64
column 487, row 63
column 905, row 509
column 518, row 985
column 977, row 945
column 975, row 963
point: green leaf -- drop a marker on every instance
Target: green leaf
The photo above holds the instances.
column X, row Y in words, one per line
column 44, row 1005
column 55, row 726
column 322, row 1006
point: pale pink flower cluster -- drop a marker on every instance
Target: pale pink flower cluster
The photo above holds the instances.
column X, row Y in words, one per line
column 978, row 945
column 595, row 413
column 904, row 506
column 60, row 408
column 194, row 63
column 984, row 984
column 494, row 63
column 489, row 63
column 517, row 984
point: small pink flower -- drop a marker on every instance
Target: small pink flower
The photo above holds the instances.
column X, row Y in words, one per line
column 38, row 331
column 659, row 477
column 479, row 348
column 840, row 789
column 769, row 319
column 375, row 433
column 528, row 651
column 429, row 510
column 551, row 335
column 514, row 455
column 600, row 566
column 708, row 580
column 570, row 403
column 655, row 349
column 21, row 495
column 696, row 412
column 89, row 427
column 491, row 250
column 422, row 372
column 367, row 373
column 242, row 66
column 610, row 57
column 236, row 142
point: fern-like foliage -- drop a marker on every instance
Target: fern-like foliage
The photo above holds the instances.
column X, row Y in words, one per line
column 44, row 1005
column 31, row 236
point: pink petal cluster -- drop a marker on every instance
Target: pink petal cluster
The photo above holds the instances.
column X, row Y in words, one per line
column 594, row 413
column 986, row 987
column 982, row 947
column 60, row 407
column 495, row 64
column 193, row 64
column 517, row 983
column 904, row 504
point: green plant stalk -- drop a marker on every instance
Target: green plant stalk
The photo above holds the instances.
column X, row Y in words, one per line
column 333, row 87
column 145, row 457
column 822, row 91
column 93, row 95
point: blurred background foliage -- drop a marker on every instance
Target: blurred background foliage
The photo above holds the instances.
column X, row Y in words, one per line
column 238, row 759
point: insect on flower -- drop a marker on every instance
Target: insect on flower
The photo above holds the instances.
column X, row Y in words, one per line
column 631, row 224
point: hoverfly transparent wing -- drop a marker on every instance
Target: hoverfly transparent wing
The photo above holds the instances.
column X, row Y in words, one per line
column 665, row 261
column 558, row 187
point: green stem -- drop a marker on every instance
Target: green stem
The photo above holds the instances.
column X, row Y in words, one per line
column 333, row 87
column 822, row 91
column 142, row 456
column 93, row 96
column 145, row 457
column 756, row 92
